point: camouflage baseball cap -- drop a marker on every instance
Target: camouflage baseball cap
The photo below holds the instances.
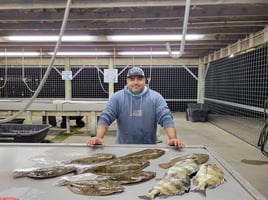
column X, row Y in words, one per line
column 135, row 71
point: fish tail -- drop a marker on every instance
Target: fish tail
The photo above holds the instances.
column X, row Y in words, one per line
column 200, row 190
column 61, row 182
column 164, row 165
column 18, row 174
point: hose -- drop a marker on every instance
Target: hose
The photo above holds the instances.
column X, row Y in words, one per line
column 42, row 83
column 264, row 133
column 184, row 31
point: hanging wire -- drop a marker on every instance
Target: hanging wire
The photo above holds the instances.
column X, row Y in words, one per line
column 133, row 57
column 5, row 78
column 150, row 73
column 41, row 64
column 99, row 78
column 64, row 22
column 24, row 80
column 78, row 71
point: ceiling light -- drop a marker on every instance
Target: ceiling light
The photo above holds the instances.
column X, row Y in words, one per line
column 144, row 53
column 124, row 38
column 112, row 38
column 22, row 54
column 50, row 38
column 77, row 53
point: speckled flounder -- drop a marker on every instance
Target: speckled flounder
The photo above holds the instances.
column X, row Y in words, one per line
column 95, row 187
column 147, row 154
column 198, row 157
column 96, row 158
column 45, row 172
column 118, row 165
column 209, row 175
column 125, row 177
column 67, row 180
column 129, row 177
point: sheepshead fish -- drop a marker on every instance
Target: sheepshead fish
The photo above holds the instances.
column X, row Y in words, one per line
column 146, row 154
column 45, row 172
column 95, row 187
column 188, row 166
column 198, row 157
column 208, row 176
column 176, row 184
column 176, row 180
column 118, row 165
column 96, row 158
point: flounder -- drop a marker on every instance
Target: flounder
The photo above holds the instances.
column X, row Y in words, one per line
column 67, row 180
column 199, row 157
column 129, row 177
column 118, row 165
column 95, row 187
column 96, row 158
column 45, row 172
column 209, row 175
column 125, row 177
column 146, row 154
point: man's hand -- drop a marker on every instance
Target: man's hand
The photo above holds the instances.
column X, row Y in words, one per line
column 94, row 140
column 175, row 142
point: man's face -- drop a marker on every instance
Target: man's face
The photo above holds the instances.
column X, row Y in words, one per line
column 136, row 84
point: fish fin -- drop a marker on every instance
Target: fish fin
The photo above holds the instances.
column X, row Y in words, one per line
column 164, row 165
column 201, row 191
column 144, row 197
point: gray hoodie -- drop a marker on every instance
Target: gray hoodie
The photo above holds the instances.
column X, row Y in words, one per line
column 137, row 116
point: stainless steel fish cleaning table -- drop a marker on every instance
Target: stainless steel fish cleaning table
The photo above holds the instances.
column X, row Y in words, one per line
column 20, row 156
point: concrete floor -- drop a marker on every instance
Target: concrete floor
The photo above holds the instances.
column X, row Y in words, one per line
column 244, row 158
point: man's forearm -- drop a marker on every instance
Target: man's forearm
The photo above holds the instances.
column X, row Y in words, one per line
column 101, row 130
column 171, row 132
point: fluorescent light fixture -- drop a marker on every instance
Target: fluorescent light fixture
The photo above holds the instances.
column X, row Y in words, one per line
column 50, row 38
column 125, row 38
column 112, row 38
column 22, row 54
column 67, row 53
column 145, row 53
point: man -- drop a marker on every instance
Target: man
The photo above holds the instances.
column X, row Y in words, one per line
column 137, row 110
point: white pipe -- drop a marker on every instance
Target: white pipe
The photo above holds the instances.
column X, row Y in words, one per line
column 184, row 31
column 190, row 72
column 64, row 22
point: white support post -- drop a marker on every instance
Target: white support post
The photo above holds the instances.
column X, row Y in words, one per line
column 201, row 82
column 111, row 84
column 68, row 91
